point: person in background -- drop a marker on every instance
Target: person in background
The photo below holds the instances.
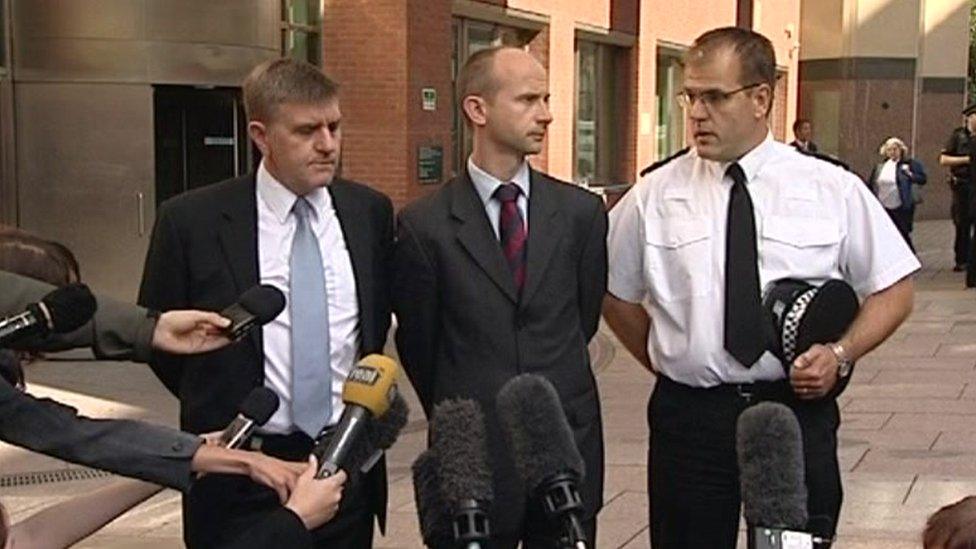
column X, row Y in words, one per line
column 894, row 180
column 955, row 156
column 803, row 133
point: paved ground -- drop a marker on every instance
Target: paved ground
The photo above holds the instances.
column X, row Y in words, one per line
column 908, row 442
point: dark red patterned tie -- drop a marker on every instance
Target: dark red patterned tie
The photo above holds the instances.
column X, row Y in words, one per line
column 511, row 231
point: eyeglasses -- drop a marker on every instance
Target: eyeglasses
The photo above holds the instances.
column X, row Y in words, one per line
column 711, row 98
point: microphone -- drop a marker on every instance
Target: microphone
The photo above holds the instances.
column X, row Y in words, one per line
column 433, row 512
column 256, row 409
column 545, row 451
column 457, row 438
column 257, row 306
column 369, row 390
column 62, row 310
column 379, row 435
column 771, row 474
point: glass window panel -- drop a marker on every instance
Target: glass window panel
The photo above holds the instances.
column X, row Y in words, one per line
column 670, row 114
column 595, row 153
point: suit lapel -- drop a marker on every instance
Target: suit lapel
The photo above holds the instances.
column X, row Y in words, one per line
column 544, row 231
column 477, row 237
column 239, row 238
column 352, row 219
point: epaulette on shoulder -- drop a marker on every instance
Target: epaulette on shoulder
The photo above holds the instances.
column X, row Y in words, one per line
column 660, row 163
column 826, row 158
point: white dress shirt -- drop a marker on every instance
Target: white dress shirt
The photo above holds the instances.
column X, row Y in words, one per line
column 486, row 184
column 666, row 244
column 888, row 185
column 276, row 229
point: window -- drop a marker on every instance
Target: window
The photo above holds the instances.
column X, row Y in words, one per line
column 471, row 36
column 595, row 124
column 670, row 114
column 301, row 30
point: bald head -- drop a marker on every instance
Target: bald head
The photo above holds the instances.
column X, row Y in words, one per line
column 488, row 70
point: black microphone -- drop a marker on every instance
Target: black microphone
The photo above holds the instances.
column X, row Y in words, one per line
column 63, row 310
column 432, row 511
column 369, row 391
column 378, row 436
column 256, row 409
column 457, row 438
column 257, row 306
column 771, row 474
column 545, row 451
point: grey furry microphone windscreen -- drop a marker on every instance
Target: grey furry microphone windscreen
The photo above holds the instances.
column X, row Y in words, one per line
column 542, row 441
column 432, row 510
column 458, row 438
column 771, row 472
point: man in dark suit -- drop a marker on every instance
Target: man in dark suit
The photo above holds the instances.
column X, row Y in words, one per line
column 325, row 242
column 803, row 134
column 501, row 272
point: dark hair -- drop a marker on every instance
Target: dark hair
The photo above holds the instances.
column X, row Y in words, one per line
column 285, row 80
column 798, row 123
column 29, row 255
column 757, row 58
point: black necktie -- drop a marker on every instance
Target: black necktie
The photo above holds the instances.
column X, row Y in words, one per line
column 743, row 310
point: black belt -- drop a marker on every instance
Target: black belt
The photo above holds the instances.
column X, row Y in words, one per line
column 749, row 392
column 292, row 447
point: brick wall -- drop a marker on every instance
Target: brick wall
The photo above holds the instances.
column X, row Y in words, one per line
column 373, row 77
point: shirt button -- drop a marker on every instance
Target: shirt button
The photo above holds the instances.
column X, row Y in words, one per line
column 177, row 446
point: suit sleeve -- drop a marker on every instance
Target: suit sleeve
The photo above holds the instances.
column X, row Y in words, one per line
column 415, row 303
column 280, row 528
column 118, row 331
column 593, row 272
column 164, row 288
column 125, row 447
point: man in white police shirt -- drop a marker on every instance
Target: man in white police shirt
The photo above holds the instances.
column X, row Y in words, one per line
column 694, row 242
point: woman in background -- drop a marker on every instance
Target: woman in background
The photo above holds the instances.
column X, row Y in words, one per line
column 894, row 181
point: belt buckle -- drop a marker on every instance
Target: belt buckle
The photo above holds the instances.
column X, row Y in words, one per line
column 746, row 391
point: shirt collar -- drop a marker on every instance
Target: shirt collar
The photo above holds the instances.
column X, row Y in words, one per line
column 752, row 161
column 280, row 199
column 486, row 184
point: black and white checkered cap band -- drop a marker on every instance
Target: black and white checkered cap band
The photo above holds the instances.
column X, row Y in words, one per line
column 791, row 324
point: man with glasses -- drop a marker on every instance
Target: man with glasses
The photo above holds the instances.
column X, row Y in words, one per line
column 691, row 246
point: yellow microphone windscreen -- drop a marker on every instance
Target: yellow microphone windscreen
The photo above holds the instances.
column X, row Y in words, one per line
column 372, row 384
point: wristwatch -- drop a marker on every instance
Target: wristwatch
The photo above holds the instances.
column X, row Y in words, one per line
column 844, row 362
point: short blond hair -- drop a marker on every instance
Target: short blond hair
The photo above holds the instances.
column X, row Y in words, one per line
column 883, row 151
column 285, row 80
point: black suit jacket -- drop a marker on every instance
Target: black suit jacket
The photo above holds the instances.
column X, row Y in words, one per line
column 463, row 330
column 204, row 255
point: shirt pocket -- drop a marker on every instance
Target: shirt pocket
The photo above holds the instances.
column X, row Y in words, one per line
column 800, row 247
column 678, row 253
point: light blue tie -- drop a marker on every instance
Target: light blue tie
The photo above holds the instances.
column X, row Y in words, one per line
column 311, row 368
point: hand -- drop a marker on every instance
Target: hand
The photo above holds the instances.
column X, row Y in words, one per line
column 316, row 501
column 953, row 526
column 814, row 373
column 190, row 332
column 276, row 474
